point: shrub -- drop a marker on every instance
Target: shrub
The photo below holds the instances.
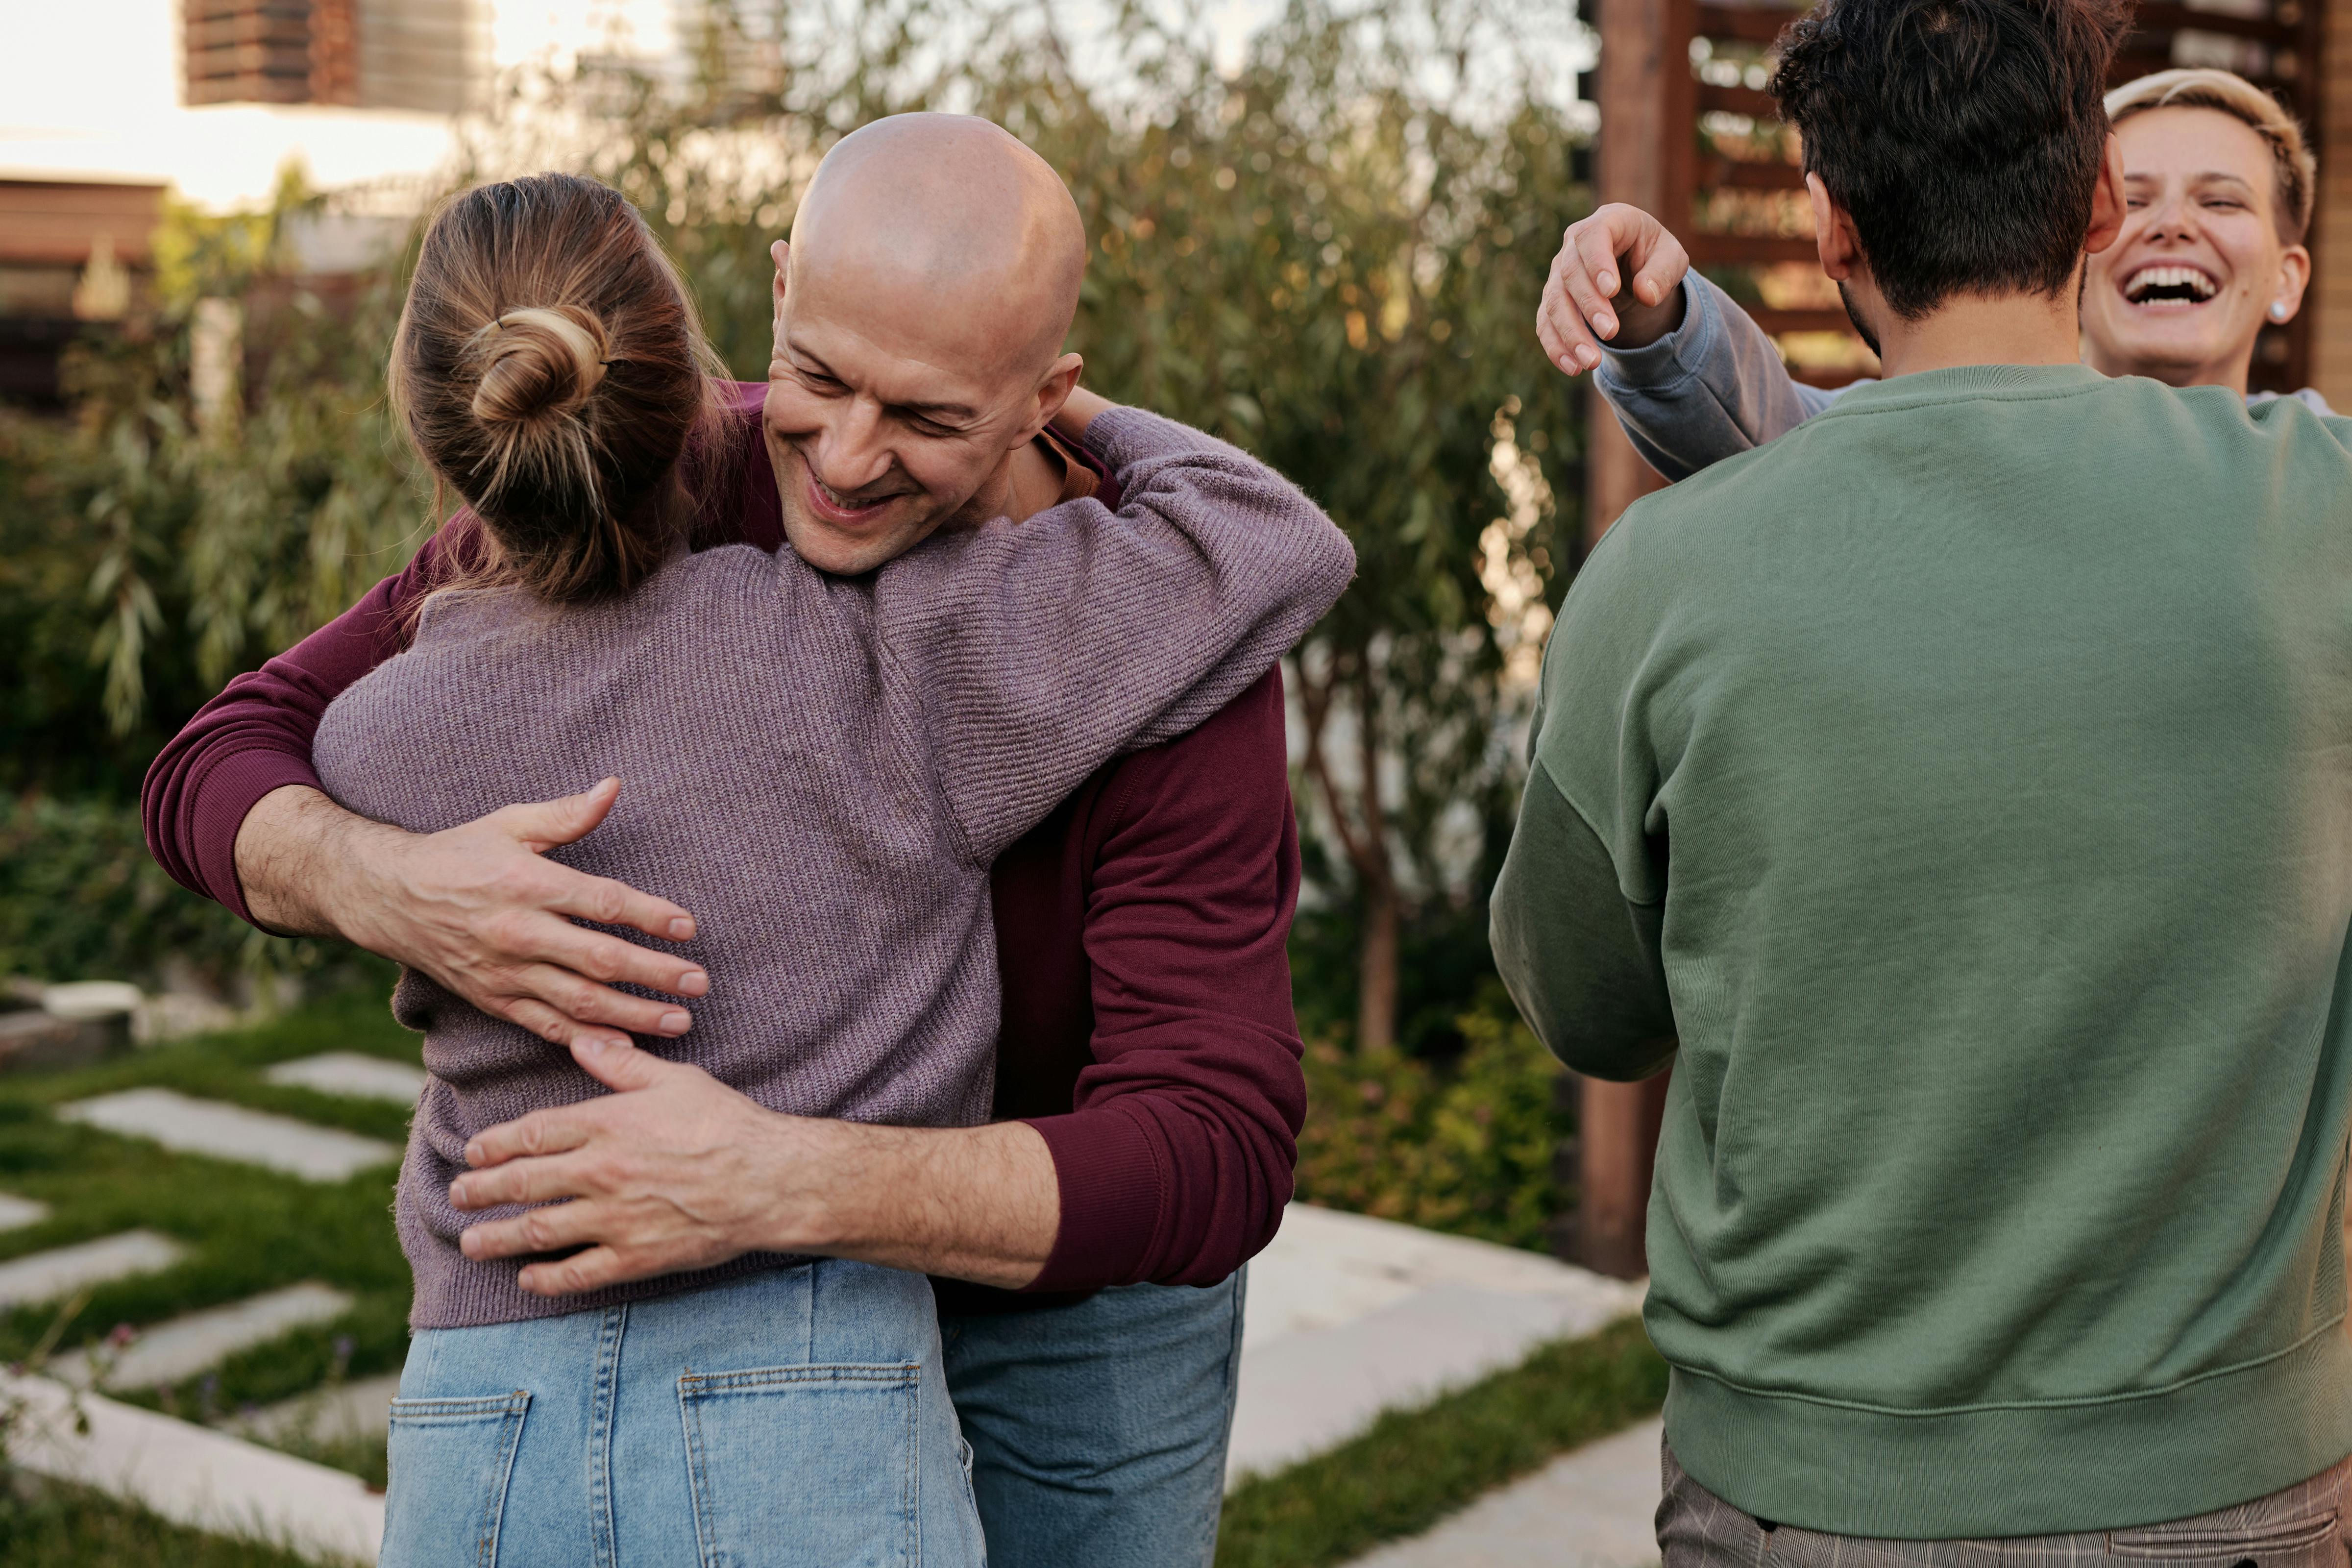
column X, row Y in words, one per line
column 80, row 899
column 1466, row 1147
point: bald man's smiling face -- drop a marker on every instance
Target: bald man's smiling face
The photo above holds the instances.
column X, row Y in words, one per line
column 920, row 311
column 884, row 419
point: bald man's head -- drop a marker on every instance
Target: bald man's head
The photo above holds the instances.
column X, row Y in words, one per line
column 920, row 311
column 949, row 216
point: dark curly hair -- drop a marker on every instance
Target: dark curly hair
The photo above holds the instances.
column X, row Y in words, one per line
column 1964, row 136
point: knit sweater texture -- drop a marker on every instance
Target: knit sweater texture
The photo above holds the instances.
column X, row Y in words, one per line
column 823, row 769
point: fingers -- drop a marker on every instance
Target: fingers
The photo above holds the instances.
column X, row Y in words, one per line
column 1560, row 326
column 541, row 1133
column 550, row 1229
column 582, row 1002
column 1589, row 299
column 1662, row 266
column 623, row 1068
column 590, row 1270
column 1592, row 282
column 548, row 1024
column 541, row 935
column 611, row 903
column 541, row 824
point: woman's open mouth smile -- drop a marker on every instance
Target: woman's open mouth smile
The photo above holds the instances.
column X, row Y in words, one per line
column 2170, row 285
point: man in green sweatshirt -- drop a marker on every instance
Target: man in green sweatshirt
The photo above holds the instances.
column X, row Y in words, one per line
column 1959, row 789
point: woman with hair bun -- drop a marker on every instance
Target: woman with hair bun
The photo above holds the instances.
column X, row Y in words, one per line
column 2219, row 182
column 823, row 769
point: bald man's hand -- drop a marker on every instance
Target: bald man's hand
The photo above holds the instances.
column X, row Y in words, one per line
column 479, row 907
column 1584, row 301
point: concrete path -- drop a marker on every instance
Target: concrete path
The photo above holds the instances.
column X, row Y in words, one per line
column 350, row 1073
column 232, row 1132
column 1594, row 1508
column 194, row 1475
column 1350, row 1316
column 183, row 1347
column 62, row 1270
column 16, row 1213
column 361, row 1408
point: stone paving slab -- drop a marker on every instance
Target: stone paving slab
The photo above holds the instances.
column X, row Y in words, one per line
column 1348, row 1316
column 361, row 1408
column 60, row 1271
column 16, row 1213
column 232, row 1132
column 350, row 1074
column 1593, row 1507
column 194, row 1475
column 183, row 1347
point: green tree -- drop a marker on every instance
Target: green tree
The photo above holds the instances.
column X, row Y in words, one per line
column 1330, row 256
column 1328, row 253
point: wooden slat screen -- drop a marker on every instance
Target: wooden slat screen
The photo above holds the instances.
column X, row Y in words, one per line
column 1744, row 216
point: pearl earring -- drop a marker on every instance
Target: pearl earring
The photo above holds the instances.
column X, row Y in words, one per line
column 2278, row 311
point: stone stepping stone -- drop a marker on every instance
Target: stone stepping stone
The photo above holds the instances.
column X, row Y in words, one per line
column 1348, row 1316
column 232, row 1132
column 1594, row 1506
column 183, row 1347
column 194, row 1475
column 16, row 1213
column 360, row 1409
column 352, row 1075
column 46, row 1276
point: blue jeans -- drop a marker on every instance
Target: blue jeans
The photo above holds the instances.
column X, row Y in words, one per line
column 793, row 1419
column 1099, row 1431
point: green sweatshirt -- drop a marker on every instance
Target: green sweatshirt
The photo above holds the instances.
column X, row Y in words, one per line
column 1964, row 779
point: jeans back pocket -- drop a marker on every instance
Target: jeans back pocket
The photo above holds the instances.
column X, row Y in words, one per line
column 450, row 1459
column 803, row 1466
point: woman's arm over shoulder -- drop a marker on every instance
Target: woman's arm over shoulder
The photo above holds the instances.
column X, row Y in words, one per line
column 1712, row 388
column 1035, row 652
column 1176, row 1163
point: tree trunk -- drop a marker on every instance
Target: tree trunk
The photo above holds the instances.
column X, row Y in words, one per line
column 1375, row 982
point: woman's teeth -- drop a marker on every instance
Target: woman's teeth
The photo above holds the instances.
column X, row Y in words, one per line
column 2180, row 285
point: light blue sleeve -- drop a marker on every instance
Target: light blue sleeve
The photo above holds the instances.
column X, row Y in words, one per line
column 1712, row 387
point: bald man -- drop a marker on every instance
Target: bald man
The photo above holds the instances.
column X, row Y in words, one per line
column 1088, row 1246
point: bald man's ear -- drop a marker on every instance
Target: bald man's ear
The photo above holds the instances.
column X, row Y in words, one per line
column 1053, row 392
column 783, row 254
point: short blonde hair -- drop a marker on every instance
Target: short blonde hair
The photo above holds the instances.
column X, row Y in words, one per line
column 2295, row 171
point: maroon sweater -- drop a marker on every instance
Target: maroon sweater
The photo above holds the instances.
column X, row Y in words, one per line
column 1147, row 1033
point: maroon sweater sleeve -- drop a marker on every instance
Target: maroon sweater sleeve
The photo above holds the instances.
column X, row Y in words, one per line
column 255, row 737
column 1176, row 1163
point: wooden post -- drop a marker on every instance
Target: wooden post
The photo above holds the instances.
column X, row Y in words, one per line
column 1646, row 156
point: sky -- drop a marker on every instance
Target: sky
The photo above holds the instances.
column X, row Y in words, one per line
column 90, row 87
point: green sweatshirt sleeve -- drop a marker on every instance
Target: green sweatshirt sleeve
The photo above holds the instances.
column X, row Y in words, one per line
column 1580, row 959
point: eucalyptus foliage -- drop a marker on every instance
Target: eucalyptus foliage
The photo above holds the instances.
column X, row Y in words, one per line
column 1327, row 252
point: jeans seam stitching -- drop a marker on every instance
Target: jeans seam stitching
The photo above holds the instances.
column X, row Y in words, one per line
column 494, row 1506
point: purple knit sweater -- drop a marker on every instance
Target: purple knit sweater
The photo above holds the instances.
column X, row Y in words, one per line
column 821, row 768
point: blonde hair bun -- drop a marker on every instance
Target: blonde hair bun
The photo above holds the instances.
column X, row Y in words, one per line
column 537, row 361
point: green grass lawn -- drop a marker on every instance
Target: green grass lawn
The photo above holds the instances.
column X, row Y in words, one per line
column 67, row 1527
column 1415, row 1466
column 247, row 1229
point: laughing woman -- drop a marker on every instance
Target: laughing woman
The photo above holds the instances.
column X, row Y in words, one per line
column 2219, row 184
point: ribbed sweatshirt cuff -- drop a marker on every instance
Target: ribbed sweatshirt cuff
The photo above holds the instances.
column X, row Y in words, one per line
column 223, row 798
column 1109, row 1177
